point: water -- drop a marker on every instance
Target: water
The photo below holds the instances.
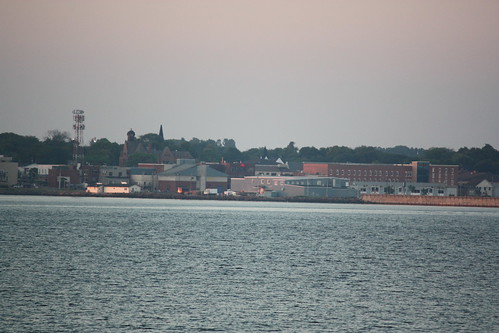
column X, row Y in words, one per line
column 116, row 265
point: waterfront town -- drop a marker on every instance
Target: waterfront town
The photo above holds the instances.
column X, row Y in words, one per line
column 178, row 172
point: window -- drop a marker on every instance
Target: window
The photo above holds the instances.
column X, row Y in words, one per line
column 3, row 175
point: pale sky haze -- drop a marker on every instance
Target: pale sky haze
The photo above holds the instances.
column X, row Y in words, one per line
column 420, row 73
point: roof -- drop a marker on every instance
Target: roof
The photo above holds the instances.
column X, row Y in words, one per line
column 191, row 170
column 274, row 167
column 142, row 171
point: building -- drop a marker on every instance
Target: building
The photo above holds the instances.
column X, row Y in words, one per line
column 416, row 172
column 146, row 178
column 133, row 146
column 113, row 189
column 109, row 175
column 487, row 188
column 121, row 189
column 37, row 173
column 90, row 173
column 310, row 186
column 404, row 188
column 8, row 171
column 190, row 177
column 258, row 184
column 473, row 183
column 272, row 170
column 130, row 147
column 321, row 187
column 66, row 176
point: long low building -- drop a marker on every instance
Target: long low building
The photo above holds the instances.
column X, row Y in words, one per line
column 404, row 188
column 328, row 187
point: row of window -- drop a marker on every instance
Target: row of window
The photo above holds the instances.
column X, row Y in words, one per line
column 445, row 170
column 376, row 189
column 268, row 182
column 389, row 180
column 375, row 173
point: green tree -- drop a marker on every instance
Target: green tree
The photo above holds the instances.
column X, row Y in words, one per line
column 211, row 153
column 229, row 143
column 290, row 153
column 135, row 159
column 56, row 148
column 23, row 149
column 310, row 154
column 339, row 154
column 154, row 140
column 439, row 155
column 252, row 154
column 102, row 152
column 231, row 154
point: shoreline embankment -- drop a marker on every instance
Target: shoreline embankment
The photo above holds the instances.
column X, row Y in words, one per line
column 383, row 199
column 423, row 200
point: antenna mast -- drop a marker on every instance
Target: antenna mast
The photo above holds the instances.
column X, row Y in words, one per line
column 78, row 127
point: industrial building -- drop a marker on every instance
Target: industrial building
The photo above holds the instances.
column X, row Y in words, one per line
column 190, row 177
column 311, row 186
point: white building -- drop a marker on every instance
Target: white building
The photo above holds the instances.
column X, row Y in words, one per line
column 487, row 188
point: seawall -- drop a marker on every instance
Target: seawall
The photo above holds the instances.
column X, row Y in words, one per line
column 430, row 200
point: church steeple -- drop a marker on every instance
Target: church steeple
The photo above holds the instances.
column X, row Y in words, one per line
column 161, row 132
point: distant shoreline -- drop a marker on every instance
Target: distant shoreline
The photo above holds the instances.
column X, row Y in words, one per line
column 365, row 199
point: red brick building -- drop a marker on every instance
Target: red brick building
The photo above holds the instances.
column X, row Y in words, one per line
column 63, row 176
column 417, row 171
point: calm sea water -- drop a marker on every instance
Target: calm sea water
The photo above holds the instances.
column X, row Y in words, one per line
column 117, row 265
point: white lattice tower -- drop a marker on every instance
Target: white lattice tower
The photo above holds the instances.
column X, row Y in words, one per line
column 78, row 127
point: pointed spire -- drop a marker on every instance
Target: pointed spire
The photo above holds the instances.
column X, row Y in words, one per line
column 161, row 132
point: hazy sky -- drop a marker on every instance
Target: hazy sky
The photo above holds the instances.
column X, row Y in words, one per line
column 420, row 73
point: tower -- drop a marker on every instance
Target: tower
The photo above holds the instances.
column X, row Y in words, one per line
column 78, row 126
column 161, row 132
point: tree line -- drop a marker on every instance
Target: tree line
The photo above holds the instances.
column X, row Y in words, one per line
column 56, row 148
